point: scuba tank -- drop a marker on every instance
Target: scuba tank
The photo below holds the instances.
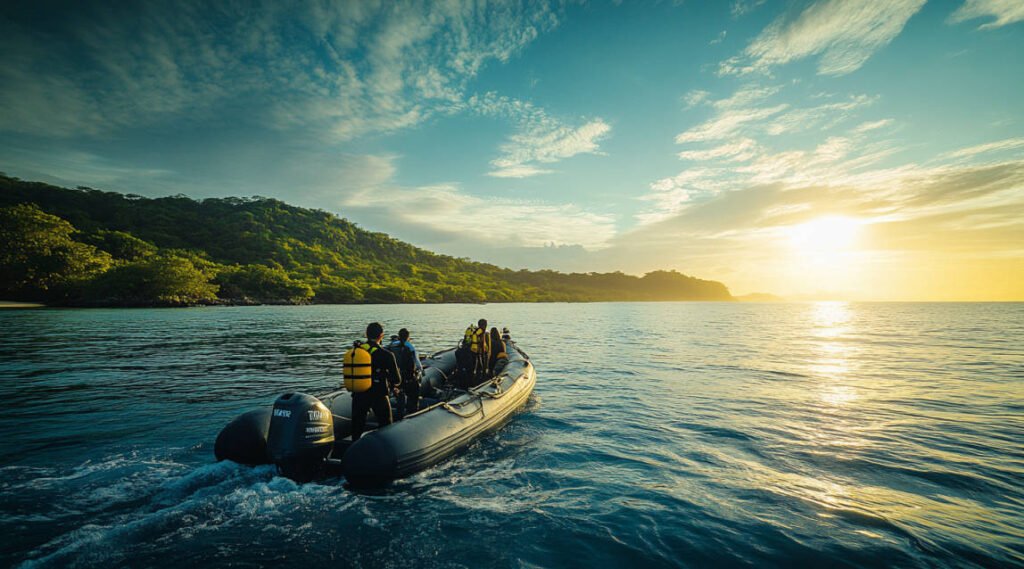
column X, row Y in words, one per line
column 357, row 368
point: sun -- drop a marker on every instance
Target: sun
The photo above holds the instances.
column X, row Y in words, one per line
column 831, row 234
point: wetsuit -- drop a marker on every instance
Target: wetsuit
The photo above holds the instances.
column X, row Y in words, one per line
column 411, row 369
column 385, row 376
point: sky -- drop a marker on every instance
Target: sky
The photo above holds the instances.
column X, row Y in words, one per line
column 830, row 149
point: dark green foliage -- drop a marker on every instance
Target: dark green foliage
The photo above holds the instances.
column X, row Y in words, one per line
column 338, row 292
column 161, row 280
column 263, row 250
column 261, row 282
column 121, row 245
column 39, row 259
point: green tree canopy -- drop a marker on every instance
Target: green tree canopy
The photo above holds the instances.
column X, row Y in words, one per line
column 39, row 257
column 261, row 282
column 163, row 280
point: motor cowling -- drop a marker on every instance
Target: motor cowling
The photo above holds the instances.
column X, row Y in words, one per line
column 301, row 436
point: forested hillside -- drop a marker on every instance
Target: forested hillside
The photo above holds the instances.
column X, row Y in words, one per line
column 91, row 247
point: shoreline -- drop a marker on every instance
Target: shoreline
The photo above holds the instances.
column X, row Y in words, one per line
column 20, row 304
column 14, row 304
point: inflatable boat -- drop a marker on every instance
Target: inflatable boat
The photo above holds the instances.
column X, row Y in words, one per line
column 309, row 437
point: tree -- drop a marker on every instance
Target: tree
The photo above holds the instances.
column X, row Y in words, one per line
column 263, row 284
column 160, row 280
column 39, row 260
column 338, row 292
column 121, row 245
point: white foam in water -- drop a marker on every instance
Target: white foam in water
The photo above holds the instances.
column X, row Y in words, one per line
column 208, row 497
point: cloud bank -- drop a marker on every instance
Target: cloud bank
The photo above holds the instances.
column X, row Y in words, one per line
column 339, row 70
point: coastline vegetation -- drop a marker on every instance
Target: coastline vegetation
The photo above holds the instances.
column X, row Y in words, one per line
column 87, row 247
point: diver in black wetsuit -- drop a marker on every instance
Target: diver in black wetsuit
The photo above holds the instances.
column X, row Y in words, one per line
column 385, row 378
column 411, row 368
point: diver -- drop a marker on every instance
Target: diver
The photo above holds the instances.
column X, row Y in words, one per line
column 465, row 366
column 499, row 357
column 384, row 377
column 479, row 342
column 411, row 368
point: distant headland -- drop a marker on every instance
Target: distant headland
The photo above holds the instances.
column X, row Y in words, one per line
column 87, row 247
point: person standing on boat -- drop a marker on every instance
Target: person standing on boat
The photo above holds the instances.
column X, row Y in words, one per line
column 385, row 377
column 411, row 368
column 479, row 343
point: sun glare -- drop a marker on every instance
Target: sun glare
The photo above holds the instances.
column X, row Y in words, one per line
column 831, row 234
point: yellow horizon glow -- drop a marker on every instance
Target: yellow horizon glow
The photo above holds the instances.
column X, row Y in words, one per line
column 825, row 235
column 823, row 252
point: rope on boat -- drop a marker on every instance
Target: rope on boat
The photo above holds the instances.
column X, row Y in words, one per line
column 452, row 408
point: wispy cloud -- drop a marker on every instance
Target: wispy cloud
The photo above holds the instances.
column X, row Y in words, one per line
column 1003, row 12
column 728, row 123
column 744, row 130
column 694, row 98
column 539, row 138
column 819, row 117
column 743, row 7
column 438, row 215
column 991, row 147
column 748, row 110
column 873, row 125
column 739, row 150
column 842, row 33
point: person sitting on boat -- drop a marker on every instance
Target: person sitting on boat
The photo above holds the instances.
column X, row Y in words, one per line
column 479, row 342
column 411, row 368
column 499, row 358
column 384, row 378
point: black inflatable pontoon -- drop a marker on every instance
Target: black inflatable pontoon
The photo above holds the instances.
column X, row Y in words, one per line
column 310, row 437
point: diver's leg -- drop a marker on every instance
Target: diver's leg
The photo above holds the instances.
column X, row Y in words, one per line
column 360, row 406
column 399, row 411
column 412, row 403
column 382, row 410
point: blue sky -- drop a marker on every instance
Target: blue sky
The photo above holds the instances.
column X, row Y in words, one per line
column 707, row 137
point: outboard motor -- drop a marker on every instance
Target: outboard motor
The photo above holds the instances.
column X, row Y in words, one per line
column 300, row 437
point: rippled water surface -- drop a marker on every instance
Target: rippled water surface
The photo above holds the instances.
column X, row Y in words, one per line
column 659, row 435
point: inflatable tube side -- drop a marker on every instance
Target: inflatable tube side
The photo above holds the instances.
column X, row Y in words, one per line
column 374, row 462
column 423, row 440
column 443, row 448
column 244, row 440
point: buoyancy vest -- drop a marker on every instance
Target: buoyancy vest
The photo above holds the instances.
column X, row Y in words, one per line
column 478, row 340
column 405, row 359
column 357, row 367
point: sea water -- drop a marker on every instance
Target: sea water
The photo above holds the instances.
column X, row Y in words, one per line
column 659, row 435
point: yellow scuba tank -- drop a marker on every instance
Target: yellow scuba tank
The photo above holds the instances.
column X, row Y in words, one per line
column 357, row 368
column 477, row 339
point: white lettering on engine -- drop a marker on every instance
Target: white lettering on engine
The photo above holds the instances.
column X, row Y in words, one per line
column 315, row 415
column 282, row 413
column 321, row 429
